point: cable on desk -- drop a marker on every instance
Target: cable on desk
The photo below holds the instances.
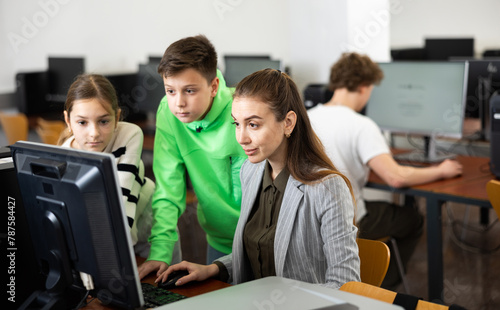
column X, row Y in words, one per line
column 83, row 302
column 439, row 149
column 464, row 245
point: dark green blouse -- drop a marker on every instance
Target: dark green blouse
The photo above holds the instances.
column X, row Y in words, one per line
column 258, row 236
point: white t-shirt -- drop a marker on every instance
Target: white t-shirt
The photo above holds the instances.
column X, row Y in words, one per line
column 350, row 140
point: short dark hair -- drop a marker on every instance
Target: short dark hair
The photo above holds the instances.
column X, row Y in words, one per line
column 353, row 70
column 192, row 52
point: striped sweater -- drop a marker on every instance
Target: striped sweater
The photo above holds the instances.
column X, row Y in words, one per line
column 137, row 190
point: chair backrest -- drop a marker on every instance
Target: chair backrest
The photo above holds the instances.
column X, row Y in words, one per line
column 50, row 131
column 381, row 294
column 374, row 257
column 15, row 126
column 493, row 190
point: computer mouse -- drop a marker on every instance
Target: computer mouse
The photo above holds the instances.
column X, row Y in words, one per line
column 172, row 279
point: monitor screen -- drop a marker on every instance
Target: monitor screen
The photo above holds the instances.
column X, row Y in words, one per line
column 77, row 225
column 62, row 72
column 424, row 98
column 446, row 48
column 238, row 67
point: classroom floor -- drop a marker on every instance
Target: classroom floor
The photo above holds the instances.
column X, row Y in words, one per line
column 471, row 278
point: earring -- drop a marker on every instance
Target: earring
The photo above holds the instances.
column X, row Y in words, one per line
column 287, row 135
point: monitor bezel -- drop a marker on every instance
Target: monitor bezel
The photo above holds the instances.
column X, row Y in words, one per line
column 24, row 152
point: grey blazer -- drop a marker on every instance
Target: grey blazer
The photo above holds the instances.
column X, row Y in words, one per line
column 315, row 237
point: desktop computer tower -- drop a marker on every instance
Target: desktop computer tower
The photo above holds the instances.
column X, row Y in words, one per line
column 495, row 135
column 31, row 91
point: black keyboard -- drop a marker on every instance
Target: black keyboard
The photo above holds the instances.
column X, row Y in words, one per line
column 155, row 296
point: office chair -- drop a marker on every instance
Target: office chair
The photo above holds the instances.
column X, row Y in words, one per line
column 49, row 131
column 371, row 291
column 374, row 257
column 15, row 126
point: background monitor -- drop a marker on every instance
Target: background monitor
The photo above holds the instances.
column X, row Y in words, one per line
column 483, row 82
column 238, row 67
column 420, row 98
column 62, row 72
column 77, row 225
column 446, row 48
column 149, row 89
column 124, row 84
column 315, row 94
column 31, row 92
column 416, row 53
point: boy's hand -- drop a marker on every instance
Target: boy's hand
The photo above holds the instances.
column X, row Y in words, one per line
column 151, row 265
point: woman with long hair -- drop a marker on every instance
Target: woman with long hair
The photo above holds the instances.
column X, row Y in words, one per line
column 297, row 209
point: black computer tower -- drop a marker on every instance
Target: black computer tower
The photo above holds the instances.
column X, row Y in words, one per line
column 31, row 92
column 495, row 135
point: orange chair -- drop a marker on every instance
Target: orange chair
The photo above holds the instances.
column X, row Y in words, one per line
column 374, row 257
column 15, row 126
column 493, row 190
column 381, row 294
column 50, row 131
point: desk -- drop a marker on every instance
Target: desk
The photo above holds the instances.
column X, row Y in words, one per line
column 191, row 289
column 470, row 188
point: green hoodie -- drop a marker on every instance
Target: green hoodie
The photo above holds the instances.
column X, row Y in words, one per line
column 208, row 151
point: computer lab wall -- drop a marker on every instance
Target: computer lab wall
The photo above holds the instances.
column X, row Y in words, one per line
column 115, row 36
column 417, row 20
column 308, row 36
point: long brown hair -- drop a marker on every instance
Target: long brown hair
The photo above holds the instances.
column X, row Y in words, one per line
column 307, row 160
column 90, row 86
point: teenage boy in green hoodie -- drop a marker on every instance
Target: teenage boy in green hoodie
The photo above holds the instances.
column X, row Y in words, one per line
column 194, row 135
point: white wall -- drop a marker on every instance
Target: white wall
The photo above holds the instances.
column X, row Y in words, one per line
column 416, row 20
column 115, row 36
column 321, row 30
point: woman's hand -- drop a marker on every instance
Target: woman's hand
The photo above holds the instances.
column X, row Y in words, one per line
column 197, row 272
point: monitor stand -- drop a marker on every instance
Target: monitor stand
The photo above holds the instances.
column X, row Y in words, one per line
column 428, row 156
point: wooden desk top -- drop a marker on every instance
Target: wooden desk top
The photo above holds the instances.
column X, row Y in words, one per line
column 191, row 289
column 471, row 184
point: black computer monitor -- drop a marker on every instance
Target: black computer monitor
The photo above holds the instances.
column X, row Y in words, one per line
column 62, row 73
column 238, row 67
column 421, row 98
column 446, row 48
column 149, row 89
column 483, row 81
column 77, row 224
column 31, row 92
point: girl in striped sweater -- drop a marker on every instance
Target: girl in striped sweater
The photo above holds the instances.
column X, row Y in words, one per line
column 92, row 115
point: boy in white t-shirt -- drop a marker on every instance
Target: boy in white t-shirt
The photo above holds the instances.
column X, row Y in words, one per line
column 355, row 144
